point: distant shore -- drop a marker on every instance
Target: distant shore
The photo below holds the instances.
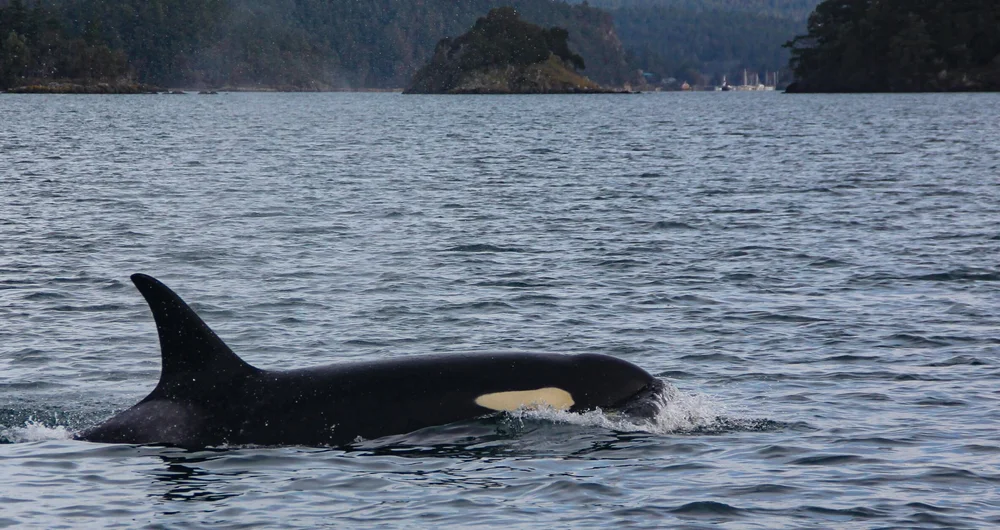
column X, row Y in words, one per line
column 85, row 88
column 104, row 88
column 65, row 87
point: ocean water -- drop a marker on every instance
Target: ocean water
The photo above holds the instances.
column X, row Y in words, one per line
column 816, row 277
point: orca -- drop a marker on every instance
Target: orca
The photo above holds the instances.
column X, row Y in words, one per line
column 208, row 396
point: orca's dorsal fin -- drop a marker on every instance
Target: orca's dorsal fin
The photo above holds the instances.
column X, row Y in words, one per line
column 187, row 344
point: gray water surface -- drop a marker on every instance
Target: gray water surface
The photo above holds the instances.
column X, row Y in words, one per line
column 818, row 277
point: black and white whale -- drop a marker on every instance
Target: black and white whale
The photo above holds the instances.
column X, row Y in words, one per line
column 208, row 396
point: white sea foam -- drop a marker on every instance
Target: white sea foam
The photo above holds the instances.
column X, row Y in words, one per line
column 34, row 431
column 679, row 412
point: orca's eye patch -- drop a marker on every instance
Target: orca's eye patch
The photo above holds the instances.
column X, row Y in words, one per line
column 556, row 398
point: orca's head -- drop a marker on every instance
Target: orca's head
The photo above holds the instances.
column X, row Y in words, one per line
column 609, row 382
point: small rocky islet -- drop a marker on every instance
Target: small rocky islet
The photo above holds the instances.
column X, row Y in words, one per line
column 503, row 54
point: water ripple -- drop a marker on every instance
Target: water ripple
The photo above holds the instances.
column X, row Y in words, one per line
column 815, row 275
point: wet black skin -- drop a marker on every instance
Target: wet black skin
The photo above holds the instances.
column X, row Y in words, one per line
column 207, row 396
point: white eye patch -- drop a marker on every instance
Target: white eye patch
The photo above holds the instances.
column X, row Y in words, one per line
column 556, row 398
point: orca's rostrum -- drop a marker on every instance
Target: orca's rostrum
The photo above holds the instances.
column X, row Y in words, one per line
column 208, row 396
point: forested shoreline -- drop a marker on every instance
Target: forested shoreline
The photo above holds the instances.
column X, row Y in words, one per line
column 276, row 44
column 846, row 45
column 35, row 43
column 899, row 46
column 369, row 44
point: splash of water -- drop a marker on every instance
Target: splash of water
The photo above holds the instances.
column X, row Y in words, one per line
column 34, row 431
column 678, row 413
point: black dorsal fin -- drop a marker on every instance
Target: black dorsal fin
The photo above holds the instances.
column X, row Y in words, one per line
column 187, row 344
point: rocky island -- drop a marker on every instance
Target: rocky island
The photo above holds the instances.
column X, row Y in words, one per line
column 503, row 54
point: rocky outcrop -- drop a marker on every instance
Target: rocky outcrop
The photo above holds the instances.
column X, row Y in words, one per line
column 504, row 55
column 548, row 77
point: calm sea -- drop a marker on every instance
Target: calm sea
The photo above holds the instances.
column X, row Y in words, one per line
column 817, row 277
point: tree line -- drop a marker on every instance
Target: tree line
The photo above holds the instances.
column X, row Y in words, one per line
column 899, row 46
column 295, row 44
column 36, row 44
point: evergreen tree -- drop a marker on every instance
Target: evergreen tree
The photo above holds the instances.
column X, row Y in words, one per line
column 899, row 46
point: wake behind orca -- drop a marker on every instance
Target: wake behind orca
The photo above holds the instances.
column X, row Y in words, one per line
column 208, row 396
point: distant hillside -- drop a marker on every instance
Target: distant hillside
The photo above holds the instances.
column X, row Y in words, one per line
column 701, row 40
column 793, row 9
column 294, row 44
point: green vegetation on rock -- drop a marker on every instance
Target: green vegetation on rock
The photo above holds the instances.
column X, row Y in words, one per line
column 503, row 54
column 899, row 46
